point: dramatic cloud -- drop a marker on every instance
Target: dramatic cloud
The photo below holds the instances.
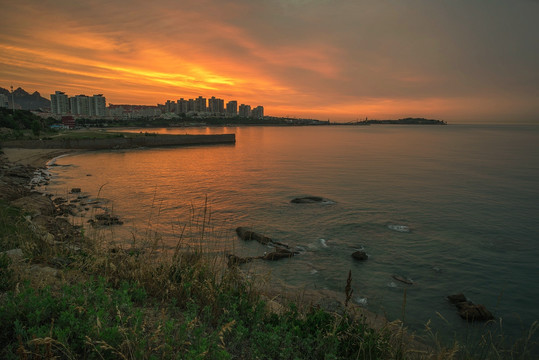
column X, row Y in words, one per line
column 340, row 59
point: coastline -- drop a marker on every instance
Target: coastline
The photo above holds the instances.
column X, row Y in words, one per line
column 37, row 158
column 29, row 160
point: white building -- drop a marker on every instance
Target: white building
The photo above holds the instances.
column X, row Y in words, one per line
column 80, row 105
column 59, row 103
column 98, row 106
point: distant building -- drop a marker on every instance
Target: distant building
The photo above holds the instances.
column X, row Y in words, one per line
column 170, row 106
column 133, row 111
column 200, row 104
column 245, row 110
column 232, row 108
column 257, row 112
column 216, row 106
column 98, row 106
column 182, row 106
column 4, row 101
column 59, row 103
column 80, row 105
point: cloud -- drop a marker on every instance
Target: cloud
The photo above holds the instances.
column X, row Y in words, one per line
column 314, row 56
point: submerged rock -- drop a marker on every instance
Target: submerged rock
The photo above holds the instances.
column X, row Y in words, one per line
column 403, row 280
column 360, row 255
column 310, row 200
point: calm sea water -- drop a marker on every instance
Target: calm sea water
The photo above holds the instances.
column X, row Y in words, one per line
column 469, row 194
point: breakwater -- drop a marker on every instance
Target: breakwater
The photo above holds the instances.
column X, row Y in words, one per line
column 122, row 142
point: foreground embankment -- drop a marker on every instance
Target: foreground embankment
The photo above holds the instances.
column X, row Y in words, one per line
column 122, row 142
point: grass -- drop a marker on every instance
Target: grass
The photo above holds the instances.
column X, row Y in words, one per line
column 140, row 302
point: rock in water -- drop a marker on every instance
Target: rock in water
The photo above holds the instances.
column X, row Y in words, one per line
column 278, row 253
column 308, row 200
column 360, row 255
column 246, row 234
column 468, row 310
column 403, row 280
column 457, row 298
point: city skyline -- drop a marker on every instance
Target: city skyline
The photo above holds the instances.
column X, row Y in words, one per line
column 458, row 61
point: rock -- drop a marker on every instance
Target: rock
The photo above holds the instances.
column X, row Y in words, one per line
column 14, row 254
column 75, row 190
column 474, row 312
column 457, row 298
column 403, row 280
column 10, row 192
column 360, row 255
column 307, row 200
column 247, row 235
column 236, row 260
column 468, row 310
column 277, row 254
column 105, row 220
column 36, row 204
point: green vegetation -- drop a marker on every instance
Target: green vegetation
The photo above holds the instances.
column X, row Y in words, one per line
column 20, row 124
column 138, row 302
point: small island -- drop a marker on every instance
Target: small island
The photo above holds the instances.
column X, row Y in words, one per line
column 405, row 121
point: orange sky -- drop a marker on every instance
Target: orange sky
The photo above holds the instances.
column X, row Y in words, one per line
column 340, row 59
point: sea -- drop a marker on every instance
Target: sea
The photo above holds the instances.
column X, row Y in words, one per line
column 452, row 209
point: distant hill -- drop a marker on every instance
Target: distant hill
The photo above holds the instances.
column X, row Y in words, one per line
column 26, row 101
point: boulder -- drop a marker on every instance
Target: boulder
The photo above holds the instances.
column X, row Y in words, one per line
column 473, row 312
column 360, row 255
column 457, row 298
column 246, row 234
column 468, row 310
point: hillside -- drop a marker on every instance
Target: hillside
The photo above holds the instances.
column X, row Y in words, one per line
column 25, row 100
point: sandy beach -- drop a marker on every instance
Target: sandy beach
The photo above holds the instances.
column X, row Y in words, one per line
column 33, row 157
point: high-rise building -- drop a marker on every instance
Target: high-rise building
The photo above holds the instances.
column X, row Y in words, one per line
column 182, row 106
column 245, row 110
column 257, row 112
column 200, row 104
column 216, row 106
column 80, row 105
column 170, row 106
column 232, row 108
column 59, row 103
column 98, row 105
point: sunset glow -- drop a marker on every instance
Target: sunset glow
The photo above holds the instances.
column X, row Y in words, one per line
column 339, row 60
